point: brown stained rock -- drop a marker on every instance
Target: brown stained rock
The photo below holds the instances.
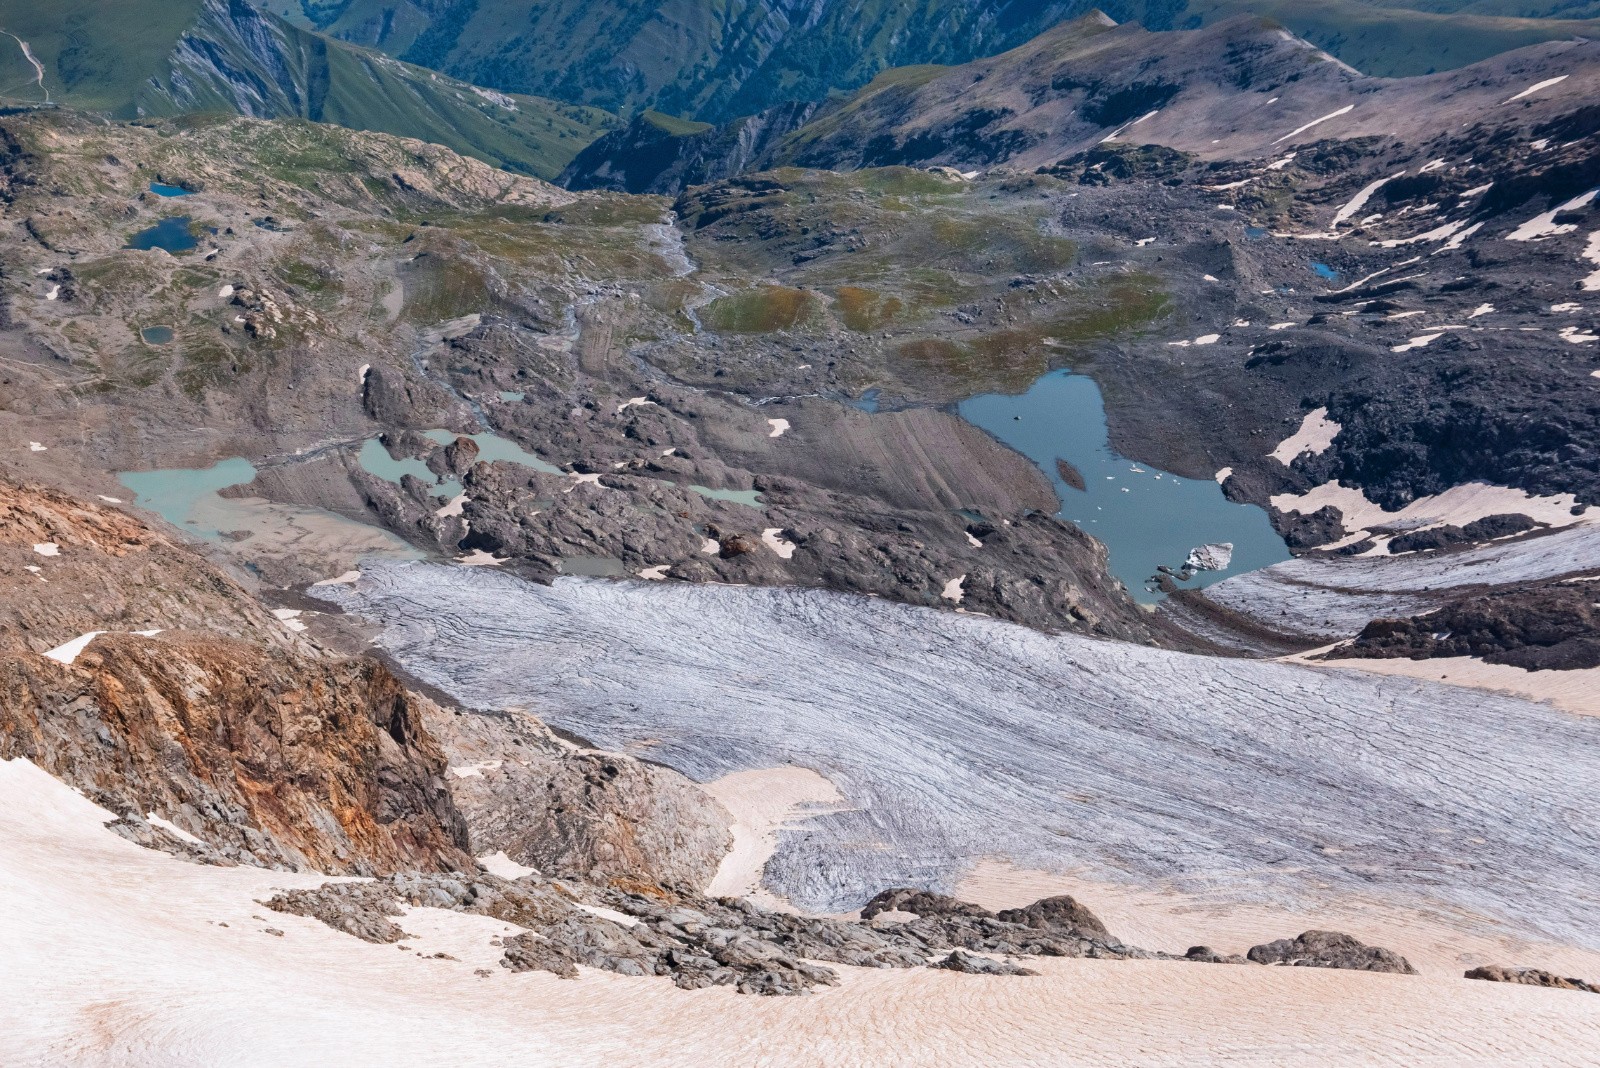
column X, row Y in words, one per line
column 732, row 545
column 972, row 964
column 1070, row 475
column 1330, row 949
column 1497, row 973
column 1061, row 913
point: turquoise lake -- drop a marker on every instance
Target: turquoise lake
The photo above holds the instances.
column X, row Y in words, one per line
column 1145, row 517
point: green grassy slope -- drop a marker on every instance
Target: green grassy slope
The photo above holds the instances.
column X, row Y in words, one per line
column 103, row 55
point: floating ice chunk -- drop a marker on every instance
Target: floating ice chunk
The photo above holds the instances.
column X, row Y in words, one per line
column 1535, row 87
column 1213, row 557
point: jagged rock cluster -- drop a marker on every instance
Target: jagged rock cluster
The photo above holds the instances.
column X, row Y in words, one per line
column 1496, row 973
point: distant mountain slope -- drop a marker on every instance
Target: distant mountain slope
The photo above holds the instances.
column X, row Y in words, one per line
column 1237, row 89
column 719, row 61
column 160, row 59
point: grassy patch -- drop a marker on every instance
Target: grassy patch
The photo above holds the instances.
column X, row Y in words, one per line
column 863, row 310
column 760, row 311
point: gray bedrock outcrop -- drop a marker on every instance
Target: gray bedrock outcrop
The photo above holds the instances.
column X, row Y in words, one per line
column 956, row 737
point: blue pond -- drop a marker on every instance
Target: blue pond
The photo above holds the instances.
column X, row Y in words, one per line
column 156, row 335
column 171, row 234
column 1143, row 516
column 161, row 190
column 1324, row 271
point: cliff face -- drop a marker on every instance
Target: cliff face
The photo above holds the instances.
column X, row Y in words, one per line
column 265, row 755
column 148, row 679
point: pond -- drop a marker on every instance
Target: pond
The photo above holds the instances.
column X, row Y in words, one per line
column 162, row 190
column 375, row 459
column 189, row 499
column 1145, row 517
column 1324, row 271
column 171, row 234
column 156, row 335
column 749, row 498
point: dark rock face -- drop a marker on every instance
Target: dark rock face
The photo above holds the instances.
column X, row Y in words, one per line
column 1330, row 949
column 1207, row 955
column 960, row 960
column 696, row 941
column 1312, row 529
column 1496, row 973
column 1545, row 627
column 1057, row 913
column 1449, row 536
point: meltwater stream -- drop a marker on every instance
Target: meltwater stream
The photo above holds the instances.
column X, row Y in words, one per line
column 1145, row 517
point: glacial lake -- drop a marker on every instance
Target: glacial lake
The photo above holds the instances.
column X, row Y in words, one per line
column 171, row 234
column 375, row 460
column 161, row 189
column 1145, row 517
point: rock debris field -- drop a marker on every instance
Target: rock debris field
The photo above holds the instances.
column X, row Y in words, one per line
column 957, row 737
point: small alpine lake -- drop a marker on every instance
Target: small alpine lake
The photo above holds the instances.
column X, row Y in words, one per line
column 1145, row 517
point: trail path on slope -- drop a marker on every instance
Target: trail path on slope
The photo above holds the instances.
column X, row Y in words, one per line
column 957, row 737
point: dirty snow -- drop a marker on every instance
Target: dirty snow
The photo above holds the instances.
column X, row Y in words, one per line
column 1544, row 225
column 1317, row 122
column 1315, row 436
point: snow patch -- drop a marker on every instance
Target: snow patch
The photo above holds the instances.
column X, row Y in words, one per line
column 34, row 446
column 1315, row 436
column 47, row 548
column 479, row 558
column 1535, row 87
column 456, row 506
column 778, row 427
column 289, row 617
column 1544, row 225
column 1223, row 475
column 1421, row 341
column 1347, row 109
column 774, row 540
column 349, row 578
column 953, row 589
column 502, row 865
column 1482, row 309
column 633, row 402
column 658, row 573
